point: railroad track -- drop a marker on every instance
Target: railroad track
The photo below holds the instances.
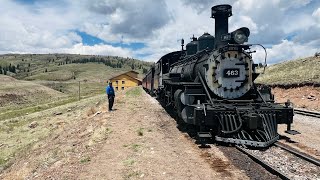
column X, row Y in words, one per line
column 298, row 153
column 271, row 168
column 307, row 113
column 261, row 162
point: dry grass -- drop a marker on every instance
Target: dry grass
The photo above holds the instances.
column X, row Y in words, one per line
column 292, row 72
column 17, row 138
column 16, row 95
column 91, row 111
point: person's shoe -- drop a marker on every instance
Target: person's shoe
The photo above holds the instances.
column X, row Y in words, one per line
column 110, row 110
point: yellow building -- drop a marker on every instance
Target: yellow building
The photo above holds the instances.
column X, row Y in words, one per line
column 125, row 80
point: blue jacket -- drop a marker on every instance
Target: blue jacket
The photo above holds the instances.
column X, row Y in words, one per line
column 110, row 90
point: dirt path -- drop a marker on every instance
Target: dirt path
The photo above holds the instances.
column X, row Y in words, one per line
column 137, row 141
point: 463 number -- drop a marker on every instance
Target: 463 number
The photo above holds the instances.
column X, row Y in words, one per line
column 231, row 72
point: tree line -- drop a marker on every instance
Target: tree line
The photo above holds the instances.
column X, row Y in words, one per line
column 10, row 68
column 111, row 61
column 114, row 63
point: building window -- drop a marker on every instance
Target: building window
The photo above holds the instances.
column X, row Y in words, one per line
column 122, row 88
column 116, row 88
column 122, row 82
column 116, row 82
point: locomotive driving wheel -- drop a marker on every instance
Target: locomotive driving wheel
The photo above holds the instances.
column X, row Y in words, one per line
column 177, row 102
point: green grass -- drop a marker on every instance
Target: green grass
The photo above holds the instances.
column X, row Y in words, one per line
column 129, row 162
column 134, row 92
column 132, row 175
column 140, row 131
column 135, row 147
column 292, row 72
column 33, row 109
column 85, row 160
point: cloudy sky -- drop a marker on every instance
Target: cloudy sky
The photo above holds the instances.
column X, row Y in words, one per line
column 148, row 29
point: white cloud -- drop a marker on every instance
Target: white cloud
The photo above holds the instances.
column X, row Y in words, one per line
column 243, row 21
column 98, row 49
column 286, row 50
column 287, row 4
column 49, row 26
column 79, row 48
column 316, row 15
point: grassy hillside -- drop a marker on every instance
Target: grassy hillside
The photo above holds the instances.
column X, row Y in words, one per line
column 34, row 82
column 33, row 64
column 306, row 70
column 18, row 97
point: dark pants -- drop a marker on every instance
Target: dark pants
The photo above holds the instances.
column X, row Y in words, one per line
column 111, row 100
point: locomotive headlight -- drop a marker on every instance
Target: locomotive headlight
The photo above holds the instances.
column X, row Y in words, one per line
column 241, row 35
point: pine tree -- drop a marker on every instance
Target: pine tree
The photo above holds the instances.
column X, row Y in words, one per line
column 13, row 69
column 144, row 70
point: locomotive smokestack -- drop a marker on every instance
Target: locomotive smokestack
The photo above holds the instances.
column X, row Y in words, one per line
column 221, row 13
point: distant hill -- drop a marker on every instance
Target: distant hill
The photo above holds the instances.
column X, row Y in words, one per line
column 294, row 72
column 62, row 72
column 18, row 97
column 33, row 82
column 17, row 92
column 22, row 66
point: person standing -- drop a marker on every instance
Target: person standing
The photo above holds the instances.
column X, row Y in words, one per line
column 111, row 95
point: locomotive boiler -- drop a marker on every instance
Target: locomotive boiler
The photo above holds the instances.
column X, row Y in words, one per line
column 211, row 86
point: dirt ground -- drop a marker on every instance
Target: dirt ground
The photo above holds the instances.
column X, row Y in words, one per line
column 308, row 98
column 138, row 140
column 302, row 97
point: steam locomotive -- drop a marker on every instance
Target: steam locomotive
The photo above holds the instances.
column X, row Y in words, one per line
column 211, row 86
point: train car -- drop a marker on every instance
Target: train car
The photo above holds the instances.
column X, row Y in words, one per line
column 150, row 80
column 211, row 86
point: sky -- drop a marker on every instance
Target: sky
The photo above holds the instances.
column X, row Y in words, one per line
column 148, row 29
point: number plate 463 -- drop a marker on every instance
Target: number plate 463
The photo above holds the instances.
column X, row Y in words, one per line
column 231, row 73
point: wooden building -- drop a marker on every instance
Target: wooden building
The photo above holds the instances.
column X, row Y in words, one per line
column 125, row 80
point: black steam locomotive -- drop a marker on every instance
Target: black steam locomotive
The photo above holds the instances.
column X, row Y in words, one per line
column 211, row 86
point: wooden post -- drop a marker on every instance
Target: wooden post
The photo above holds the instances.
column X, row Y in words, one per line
column 79, row 90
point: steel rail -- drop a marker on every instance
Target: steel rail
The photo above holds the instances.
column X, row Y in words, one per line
column 307, row 113
column 265, row 165
column 299, row 154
